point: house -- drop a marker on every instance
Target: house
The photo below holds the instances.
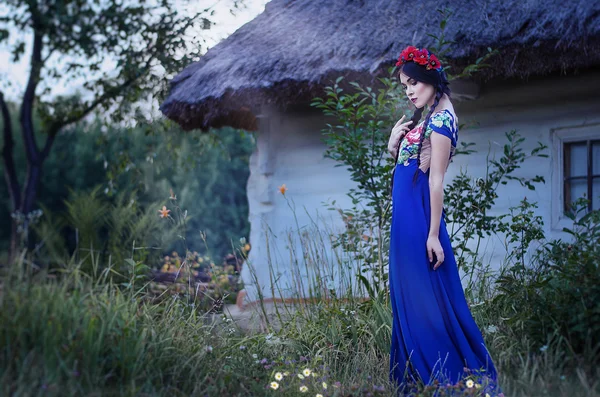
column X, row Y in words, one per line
column 545, row 83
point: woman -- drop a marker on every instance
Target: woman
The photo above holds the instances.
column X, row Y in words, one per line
column 434, row 336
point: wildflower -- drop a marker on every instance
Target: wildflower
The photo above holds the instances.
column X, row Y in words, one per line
column 337, row 384
column 247, row 247
column 209, row 349
column 470, row 383
column 544, row 348
column 242, row 347
column 324, row 385
column 164, row 212
column 300, row 376
column 274, row 385
column 306, row 372
column 279, row 376
column 477, row 385
column 319, row 395
column 173, row 196
column 282, row 189
column 491, row 329
column 264, row 361
column 487, row 395
column 255, row 355
column 303, row 389
column 286, row 373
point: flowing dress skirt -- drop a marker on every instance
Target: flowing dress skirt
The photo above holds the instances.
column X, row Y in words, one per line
column 434, row 335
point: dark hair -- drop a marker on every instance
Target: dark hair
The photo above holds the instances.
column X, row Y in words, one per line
column 440, row 83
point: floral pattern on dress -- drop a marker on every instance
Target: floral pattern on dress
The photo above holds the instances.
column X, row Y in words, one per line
column 409, row 148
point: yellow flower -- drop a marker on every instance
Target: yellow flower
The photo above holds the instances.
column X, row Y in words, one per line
column 282, row 189
column 437, row 122
column 247, row 247
column 324, row 385
column 274, row 385
column 303, row 389
column 300, row 376
column 164, row 212
column 306, row 372
column 278, row 376
column 470, row 383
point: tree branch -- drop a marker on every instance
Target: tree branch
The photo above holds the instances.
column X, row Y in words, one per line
column 7, row 152
column 26, row 119
column 56, row 126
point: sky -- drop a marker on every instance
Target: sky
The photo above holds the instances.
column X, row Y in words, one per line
column 13, row 76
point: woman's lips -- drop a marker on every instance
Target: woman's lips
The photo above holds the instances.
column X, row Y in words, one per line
column 414, row 100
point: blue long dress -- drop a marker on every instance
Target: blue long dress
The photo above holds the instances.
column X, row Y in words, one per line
column 432, row 323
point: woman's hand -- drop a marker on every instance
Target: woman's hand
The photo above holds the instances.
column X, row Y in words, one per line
column 434, row 247
column 398, row 132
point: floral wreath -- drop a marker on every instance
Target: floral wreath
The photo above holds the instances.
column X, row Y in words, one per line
column 420, row 56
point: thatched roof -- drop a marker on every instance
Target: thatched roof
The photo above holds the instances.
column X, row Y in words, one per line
column 295, row 47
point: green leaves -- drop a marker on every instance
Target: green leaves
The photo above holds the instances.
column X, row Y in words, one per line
column 143, row 41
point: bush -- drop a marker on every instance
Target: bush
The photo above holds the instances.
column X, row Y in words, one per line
column 557, row 295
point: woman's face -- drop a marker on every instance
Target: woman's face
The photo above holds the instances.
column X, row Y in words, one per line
column 419, row 93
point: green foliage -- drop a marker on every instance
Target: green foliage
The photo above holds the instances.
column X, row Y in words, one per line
column 114, row 230
column 208, row 172
column 144, row 42
column 558, row 293
column 469, row 201
column 63, row 334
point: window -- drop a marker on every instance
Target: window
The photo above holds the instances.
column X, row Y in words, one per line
column 575, row 170
column 581, row 172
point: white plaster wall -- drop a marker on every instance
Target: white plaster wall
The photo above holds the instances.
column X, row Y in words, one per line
column 537, row 110
column 290, row 151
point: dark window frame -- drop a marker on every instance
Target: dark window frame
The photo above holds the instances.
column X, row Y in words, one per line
column 589, row 177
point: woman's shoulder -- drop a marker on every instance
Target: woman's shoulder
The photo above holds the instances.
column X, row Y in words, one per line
column 444, row 122
column 444, row 114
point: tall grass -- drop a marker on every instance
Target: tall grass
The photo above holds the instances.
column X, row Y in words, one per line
column 353, row 334
column 72, row 333
column 80, row 330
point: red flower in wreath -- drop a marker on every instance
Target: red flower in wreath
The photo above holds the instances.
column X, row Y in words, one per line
column 407, row 55
column 433, row 63
column 410, row 52
column 422, row 57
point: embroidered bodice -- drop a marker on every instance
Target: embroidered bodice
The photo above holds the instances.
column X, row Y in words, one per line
column 442, row 122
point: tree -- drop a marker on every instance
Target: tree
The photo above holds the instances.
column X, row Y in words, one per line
column 143, row 44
